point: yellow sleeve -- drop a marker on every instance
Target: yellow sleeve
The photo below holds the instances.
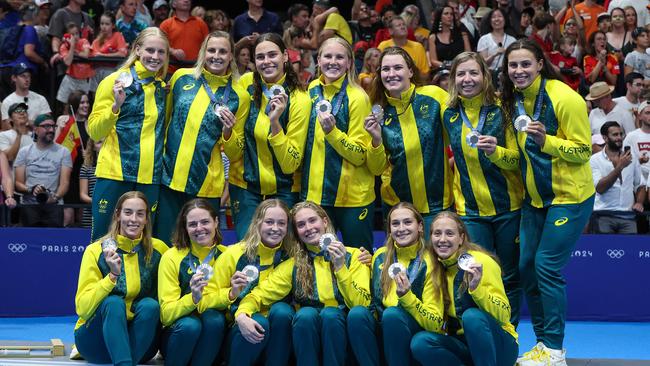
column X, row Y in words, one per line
column 169, row 107
column 274, row 288
column 428, row 313
column 490, row 295
column 288, row 147
column 102, row 119
column 573, row 123
column 354, row 282
column 352, row 146
column 92, row 288
column 215, row 294
column 172, row 305
column 507, row 157
column 234, row 146
column 376, row 160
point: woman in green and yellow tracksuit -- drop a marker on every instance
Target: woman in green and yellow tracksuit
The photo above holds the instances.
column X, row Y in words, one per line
column 203, row 105
column 116, row 294
column 324, row 283
column 335, row 174
column 408, row 148
column 555, row 149
column 488, row 189
column 404, row 303
column 265, row 246
column 190, row 338
column 129, row 115
column 272, row 137
column 478, row 326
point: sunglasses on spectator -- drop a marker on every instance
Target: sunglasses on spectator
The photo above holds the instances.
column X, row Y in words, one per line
column 20, row 110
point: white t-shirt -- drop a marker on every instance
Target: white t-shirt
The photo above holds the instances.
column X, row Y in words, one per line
column 597, row 118
column 8, row 137
column 639, row 62
column 36, row 103
column 487, row 43
column 621, row 195
column 624, row 103
column 639, row 143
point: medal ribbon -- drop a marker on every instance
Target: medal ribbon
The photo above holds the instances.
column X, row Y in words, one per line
column 335, row 286
column 466, row 121
column 268, row 95
column 213, row 98
column 337, row 101
column 207, row 259
column 137, row 81
column 519, row 100
column 414, row 268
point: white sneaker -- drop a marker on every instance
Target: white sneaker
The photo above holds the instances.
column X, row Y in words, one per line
column 537, row 356
column 557, row 357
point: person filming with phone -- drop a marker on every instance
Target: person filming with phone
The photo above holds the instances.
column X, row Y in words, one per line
column 620, row 186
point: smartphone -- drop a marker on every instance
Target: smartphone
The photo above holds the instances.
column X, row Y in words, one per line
column 626, row 149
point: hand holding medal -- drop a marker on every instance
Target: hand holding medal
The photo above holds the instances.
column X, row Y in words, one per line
column 199, row 280
column 112, row 258
column 474, row 269
column 373, row 122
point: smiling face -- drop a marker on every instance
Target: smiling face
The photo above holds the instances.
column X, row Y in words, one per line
column 468, row 79
column 201, row 227
column 244, row 57
column 497, row 21
column 152, row 53
column 445, row 237
column 273, row 228
column 404, row 227
column 523, row 68
column 309, row 226
column 395, row 74
column 84, row 106
column 218, row 56
column 334, row 61
column 269, row 61
column 132, row 218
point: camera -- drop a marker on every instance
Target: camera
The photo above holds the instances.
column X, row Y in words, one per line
column 42, row 197
column 566, row 70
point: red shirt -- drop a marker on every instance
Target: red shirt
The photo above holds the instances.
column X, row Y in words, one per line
column 612, row 64
column 563, row 62
column 77, row 70
column 546, row 44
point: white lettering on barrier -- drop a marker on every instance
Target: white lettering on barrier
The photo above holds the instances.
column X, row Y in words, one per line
column 62, row 248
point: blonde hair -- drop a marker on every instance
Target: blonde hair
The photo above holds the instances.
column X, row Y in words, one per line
column 200, row 60
column 352, row 70
column 253, row 238
column 305, row 270
column 366, row 57
column 139, row 41
column 489, row 96
column 115, row 227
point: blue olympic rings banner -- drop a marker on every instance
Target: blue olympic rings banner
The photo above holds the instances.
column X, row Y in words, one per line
column 40, row 267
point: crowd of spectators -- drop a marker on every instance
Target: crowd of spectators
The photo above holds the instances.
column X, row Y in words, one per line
column 601, row 48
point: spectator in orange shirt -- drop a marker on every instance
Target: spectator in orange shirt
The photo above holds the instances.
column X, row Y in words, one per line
column 78, row 74
column 184, row 31
column 600, row 65
column 109, row 43
column 589, row 11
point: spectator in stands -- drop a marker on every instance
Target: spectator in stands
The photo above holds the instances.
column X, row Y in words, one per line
column 543, row 24
column 369, row 68
column 79, row 74
column 299, row 16
column 160, row 12
column 118, row 323
column 10, row 13
column 605, row 109
column 599, row 64
column 411, row 15
column 361, row 25
column 59, row 22
column 639, row 139
column 633, row 87
column 133, row 113
column 619, row 39
column 575, row 28
column 6, row 182
column 398, row 33
column 441, row 79
column 20, row 134
column 526, row 22
column 588, row 11
column 604, row 22
column 448, row 38
column 217, row 20
column 87, row 180
column 335, row 24
column 128, row 24
column 198, row 11
column 388, row 12
column 256, row 20
column 21, row 78
column 494, row 41
column 512, row 11
column 142, row 13
column 639, row 60
column 109, row 43
column 639, row 8
column 564, row 63
column 620, row 186
column 465, row 11
column 43, row 176
column 631, row 18
column 184, row 31
column 243, row 58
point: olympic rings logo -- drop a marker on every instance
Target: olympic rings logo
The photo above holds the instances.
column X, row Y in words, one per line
column 615, row 253
column 17, row 247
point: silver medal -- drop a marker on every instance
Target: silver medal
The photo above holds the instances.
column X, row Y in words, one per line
column 217, row 108
column 378, row 112
column 324, row 106
column 521, row 122
column 325, row 240
column 276, row 90
column 110, row 244
column 206, row 270
column 472, row 138
column 465, row 261
column 125, row 78
column 251, row 272
column 395, row 269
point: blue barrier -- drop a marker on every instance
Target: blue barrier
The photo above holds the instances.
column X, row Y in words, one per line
column 39, row 269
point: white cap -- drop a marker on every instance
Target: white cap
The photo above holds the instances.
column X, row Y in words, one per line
column 40, row 3
column 597, row 139
column 158, row 3
column 643, row 105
